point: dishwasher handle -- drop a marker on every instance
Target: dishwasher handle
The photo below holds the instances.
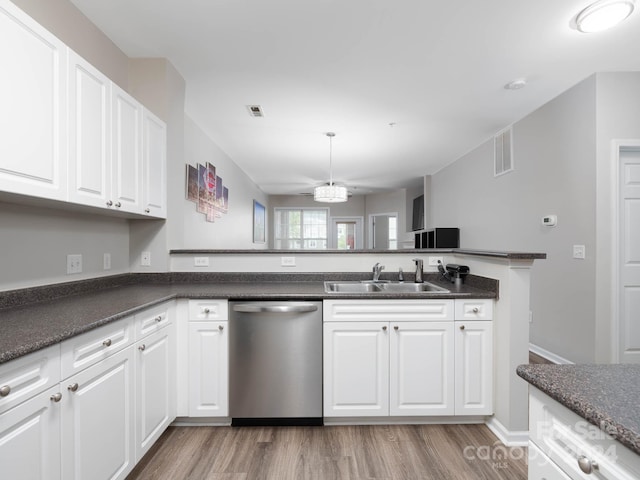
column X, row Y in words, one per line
column 258, row 307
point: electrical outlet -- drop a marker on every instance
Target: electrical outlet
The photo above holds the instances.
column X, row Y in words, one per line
column 433, row 261
column 106, row 261
column 579, row 252
column 74, row 264
column 288, row 261
column 200, row 261
column 145, row 259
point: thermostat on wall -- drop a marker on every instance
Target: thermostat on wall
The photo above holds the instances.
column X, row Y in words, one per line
column 550, row 220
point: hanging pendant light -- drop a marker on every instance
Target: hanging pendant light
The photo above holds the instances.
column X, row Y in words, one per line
column 330, row 193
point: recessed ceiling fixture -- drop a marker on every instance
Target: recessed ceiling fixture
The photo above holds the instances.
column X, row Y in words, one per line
column 603, row 14
column 255, row 110
column 516, row 84
column 330, row 193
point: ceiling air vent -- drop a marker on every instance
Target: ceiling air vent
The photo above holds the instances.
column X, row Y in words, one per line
column 503, row 153
column 255, row 110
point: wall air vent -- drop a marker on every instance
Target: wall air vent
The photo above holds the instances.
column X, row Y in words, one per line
column 255, row 110
column 502, row 153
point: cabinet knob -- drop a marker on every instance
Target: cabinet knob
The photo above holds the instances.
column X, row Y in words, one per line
column 5, row 390
column 475, row 310
column 142, row 347
column 109, row 203
column 73, row 387
column 586, row 465
column 147, row 210
column 220, row 327
column 384, row 328
column 118, row 204
column 107, row 342
column 158, row 318
column 396, row 327
column 461, row 327
column 206, row 310
column 56, row 397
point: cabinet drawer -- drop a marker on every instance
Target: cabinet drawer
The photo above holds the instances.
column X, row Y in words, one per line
column 152, row 320
column 208, row 310
column 566, row 437
column 541, row 467
column 26, row 376
column 387, row 310
column 84, row 350
column 474, row 309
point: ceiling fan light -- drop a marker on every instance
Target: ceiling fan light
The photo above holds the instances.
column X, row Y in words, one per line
column 330, row 194
column 603, row 14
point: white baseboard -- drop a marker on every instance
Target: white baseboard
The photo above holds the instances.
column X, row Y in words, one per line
column 552, row 357
column 509, row 438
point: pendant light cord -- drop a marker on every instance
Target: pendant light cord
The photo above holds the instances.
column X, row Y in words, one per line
column 331, row 135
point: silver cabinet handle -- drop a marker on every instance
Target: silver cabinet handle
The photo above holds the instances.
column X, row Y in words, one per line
column 461, row 327
column 107, row 342
column 5, row 390
column 56, row 397
column 396, row 327
column 142, row 347
column 475, row 310
column 147, row 210
column 109, row 203
column 586, row 465
column 158, row 318
column 118, row 204
column 206, row 310
column 384, row 328
column 220, row 327
column 259, row 307
column 73, row 387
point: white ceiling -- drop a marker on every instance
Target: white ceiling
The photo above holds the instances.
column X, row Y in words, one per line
column 436, row 69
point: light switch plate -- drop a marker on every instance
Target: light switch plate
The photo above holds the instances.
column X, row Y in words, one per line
column 579, row 252
column 433, row 261
column 288, row 261
column 106, row 261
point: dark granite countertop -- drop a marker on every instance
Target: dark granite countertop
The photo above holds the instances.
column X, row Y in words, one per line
column 31, row 319
column 607, row 396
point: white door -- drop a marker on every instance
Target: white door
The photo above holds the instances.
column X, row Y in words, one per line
column 154, row 157
column 629, row 256
column 421, row 368
column 208, row 369
column 30, row 439
column 89, row 133
column 154, row 389
column 473, row 368
column 126, row 152
column 346, row 233
column 33, row 101
column 356, row 369
column 97, row 420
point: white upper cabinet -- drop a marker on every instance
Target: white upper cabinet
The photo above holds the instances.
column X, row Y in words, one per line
column 34, row 107
column 154, row 165
column 89, row 133
column 126, row 156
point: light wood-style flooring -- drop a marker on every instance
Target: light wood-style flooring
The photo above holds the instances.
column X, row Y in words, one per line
column 390, row 452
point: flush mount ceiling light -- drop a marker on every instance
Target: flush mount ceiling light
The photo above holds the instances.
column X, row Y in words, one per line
column 516, row 84
column 603, row 14
column 330, row 193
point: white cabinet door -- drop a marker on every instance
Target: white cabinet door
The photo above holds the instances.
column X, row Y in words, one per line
column 30, row 439
column 421, row 368
column 473, row 368
column 155, row 402
column 154, row 167
column 356, row 369
column 126, row 152
column 33, row 100
column 89, row 133
column 97, row 420
column 208, row 369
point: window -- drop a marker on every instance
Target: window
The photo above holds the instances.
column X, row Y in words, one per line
column 301, row 228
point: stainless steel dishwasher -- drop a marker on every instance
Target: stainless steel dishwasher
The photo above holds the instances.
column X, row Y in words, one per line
column 275, row 363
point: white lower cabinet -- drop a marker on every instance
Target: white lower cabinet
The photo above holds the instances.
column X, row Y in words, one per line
column 418, row 362
column 208, row 369
column 155, row 380
column 30, row 439
column 98, row 420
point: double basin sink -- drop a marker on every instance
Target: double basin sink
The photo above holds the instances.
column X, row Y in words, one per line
column 382, row 287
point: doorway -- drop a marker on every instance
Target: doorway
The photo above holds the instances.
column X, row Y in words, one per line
column 383, row 231
column 346, row 233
